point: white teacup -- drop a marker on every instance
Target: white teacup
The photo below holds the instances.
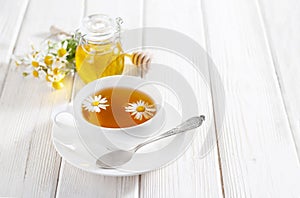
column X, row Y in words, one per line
column 94, row 136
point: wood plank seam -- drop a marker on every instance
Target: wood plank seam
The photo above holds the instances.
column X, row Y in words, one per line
column 220, row 164
column 14, row 43
column 62, row 163
column 139, row 186
column 207, row 44
column 27, row 158
column 143, row 21
column 275, row 66
column 58, row 177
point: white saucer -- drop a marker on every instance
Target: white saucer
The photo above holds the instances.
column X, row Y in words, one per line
column 153, row 156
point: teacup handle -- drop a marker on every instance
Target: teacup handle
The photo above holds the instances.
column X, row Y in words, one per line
column 65, row 118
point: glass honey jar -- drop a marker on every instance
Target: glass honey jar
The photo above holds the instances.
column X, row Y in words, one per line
column 99, row 49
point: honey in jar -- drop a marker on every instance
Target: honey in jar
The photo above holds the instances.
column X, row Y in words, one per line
column 99, row 49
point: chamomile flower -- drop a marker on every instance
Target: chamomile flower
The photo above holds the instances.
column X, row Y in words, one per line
column 33, row 63
column 35, row 73
column 55, row 76
column 33, row 59
column 61, row 50
column 95, row 104
column 140, row 110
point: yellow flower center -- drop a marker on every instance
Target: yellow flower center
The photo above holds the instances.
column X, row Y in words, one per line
column 35, row 63
column 140, row 109
column 48, row 60
column 35, row 73
column 48, row 78
column 57, row 85
column 56, row 71
column 61, row 52
column 95, row 103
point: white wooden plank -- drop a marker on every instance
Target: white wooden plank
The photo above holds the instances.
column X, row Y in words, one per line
column 281, row 27
column 9, row 27
column 74, row 182
column 130, row 11
column 77, row 183
column 258, row 155
column 191, row 175
column 29, row 163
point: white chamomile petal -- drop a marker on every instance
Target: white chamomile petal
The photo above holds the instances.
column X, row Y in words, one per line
column 97, row 98
column 97, row 109
column 65, row 45
column 103, row 100
column 138, row 116
column 150, row 109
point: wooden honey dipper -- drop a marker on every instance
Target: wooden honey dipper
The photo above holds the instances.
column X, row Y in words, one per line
column 140, row 59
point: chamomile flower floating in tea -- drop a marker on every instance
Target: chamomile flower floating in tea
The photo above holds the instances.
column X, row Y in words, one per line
column 140, row 110
column 95, row 104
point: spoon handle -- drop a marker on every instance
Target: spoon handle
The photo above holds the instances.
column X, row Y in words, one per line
column 189, row 124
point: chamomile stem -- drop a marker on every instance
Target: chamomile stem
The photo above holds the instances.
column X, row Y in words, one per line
column 55, row 31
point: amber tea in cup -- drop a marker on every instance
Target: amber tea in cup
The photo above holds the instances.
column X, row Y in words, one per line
column 118, row 107
column 100, row 106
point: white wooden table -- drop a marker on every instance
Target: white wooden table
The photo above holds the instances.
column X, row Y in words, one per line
column 255, row 45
